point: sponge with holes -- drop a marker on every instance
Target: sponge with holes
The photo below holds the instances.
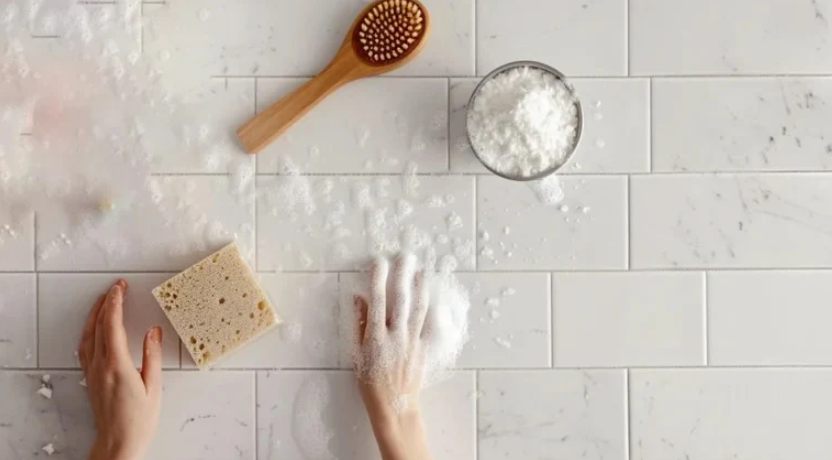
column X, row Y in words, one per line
column 216, row 306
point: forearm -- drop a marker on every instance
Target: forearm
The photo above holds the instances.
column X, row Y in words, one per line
column 103, row 450
column 401, row 437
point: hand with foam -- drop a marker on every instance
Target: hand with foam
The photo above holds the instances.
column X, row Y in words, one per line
column 125, row 402
column 390, row 356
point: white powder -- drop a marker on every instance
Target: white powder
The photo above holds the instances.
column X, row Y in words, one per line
column 548, row 190
column 49, row 449
column 523, row 121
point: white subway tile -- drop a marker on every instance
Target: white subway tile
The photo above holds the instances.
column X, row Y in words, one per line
column 616, row 127
column 207, row 415
column 552, row 414
column 307, row 336
column 166, row 224
column 198, row 134
column 769, row 318
column 319, row 414
column 578, row 38
column 18, row 331
column 17, row 241
column 725, row 221
column 30, row 421
column 629, row 319
column 741, row 414
column 288, row 38
column 508, row 322
column 738, row 37
column 65, row 299
column 371, row 126
column 335, row 223
column 742, row 124
column 519, row 230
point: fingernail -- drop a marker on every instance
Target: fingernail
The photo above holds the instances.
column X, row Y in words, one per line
column 156, row 334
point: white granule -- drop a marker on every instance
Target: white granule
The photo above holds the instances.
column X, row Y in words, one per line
column 45, row 391
column 49, row 449
column 548, row 190
column 523, row 121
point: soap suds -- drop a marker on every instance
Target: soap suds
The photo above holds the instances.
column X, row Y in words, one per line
column 523, row 121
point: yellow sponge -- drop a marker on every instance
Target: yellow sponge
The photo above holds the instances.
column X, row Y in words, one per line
column 216, row 306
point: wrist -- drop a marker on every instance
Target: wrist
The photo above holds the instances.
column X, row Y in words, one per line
column 103, row 449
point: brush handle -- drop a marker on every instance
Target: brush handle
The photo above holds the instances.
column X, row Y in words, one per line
column 261, row 130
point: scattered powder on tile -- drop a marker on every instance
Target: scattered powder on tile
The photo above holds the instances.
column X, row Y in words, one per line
column 49, row 449
column 548, row 190
column 508, row 291
column 505, row 343
column 492, row 302
column 88, row 92
column 523, row 121
column 45, row 391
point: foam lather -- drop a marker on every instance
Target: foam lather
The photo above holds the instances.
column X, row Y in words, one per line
column 216, row 306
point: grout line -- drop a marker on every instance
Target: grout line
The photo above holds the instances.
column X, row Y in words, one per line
column 477, row 414
column 551, row 320
column 650, row 126
column 476, row 224
column 627, row 35
column 826, row 269
column 584, row 175
column 256, row 417
column 474, row 36
column 629, row 225
column 448, row 123
column 679, row 368
column 707, row 318
column 37, row 287
column 628, row 416
column 612, row 76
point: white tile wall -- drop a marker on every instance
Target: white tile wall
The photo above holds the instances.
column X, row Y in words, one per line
column 769, row 318
column 181, row 37
column 18, row 331
column 702, row 171
column 305, row 414
column 578, row 38
column 629, row 319
column 65, row 299
column 730, row 413
column 553, row 414
column 323, row 223
column 678, row 37
column 306, row 337
column 137, row 235
column 722, row 221
column 509, row 320
column 17, row 244
column 742, row 124
column 616, row 127
column 395, row 121
column 587, row 230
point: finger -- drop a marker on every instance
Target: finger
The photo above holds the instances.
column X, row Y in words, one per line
column 401, row 291
column 86, row 347
column 360, row 310
column 377, row 311
column 421, row 301
column 110, row 337
column 152, row 361
column 115, row 334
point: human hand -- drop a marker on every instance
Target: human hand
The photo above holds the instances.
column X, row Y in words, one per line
column 125, row 401
column 390, row 356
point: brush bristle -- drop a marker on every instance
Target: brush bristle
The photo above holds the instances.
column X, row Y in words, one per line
column 390, row 30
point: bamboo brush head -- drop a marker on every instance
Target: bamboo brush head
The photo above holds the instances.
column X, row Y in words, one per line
column 390, row 32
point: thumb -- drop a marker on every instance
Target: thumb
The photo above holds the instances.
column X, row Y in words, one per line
column 152, row 360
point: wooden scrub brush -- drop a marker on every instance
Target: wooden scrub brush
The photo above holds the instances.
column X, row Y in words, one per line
column 386, row 35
